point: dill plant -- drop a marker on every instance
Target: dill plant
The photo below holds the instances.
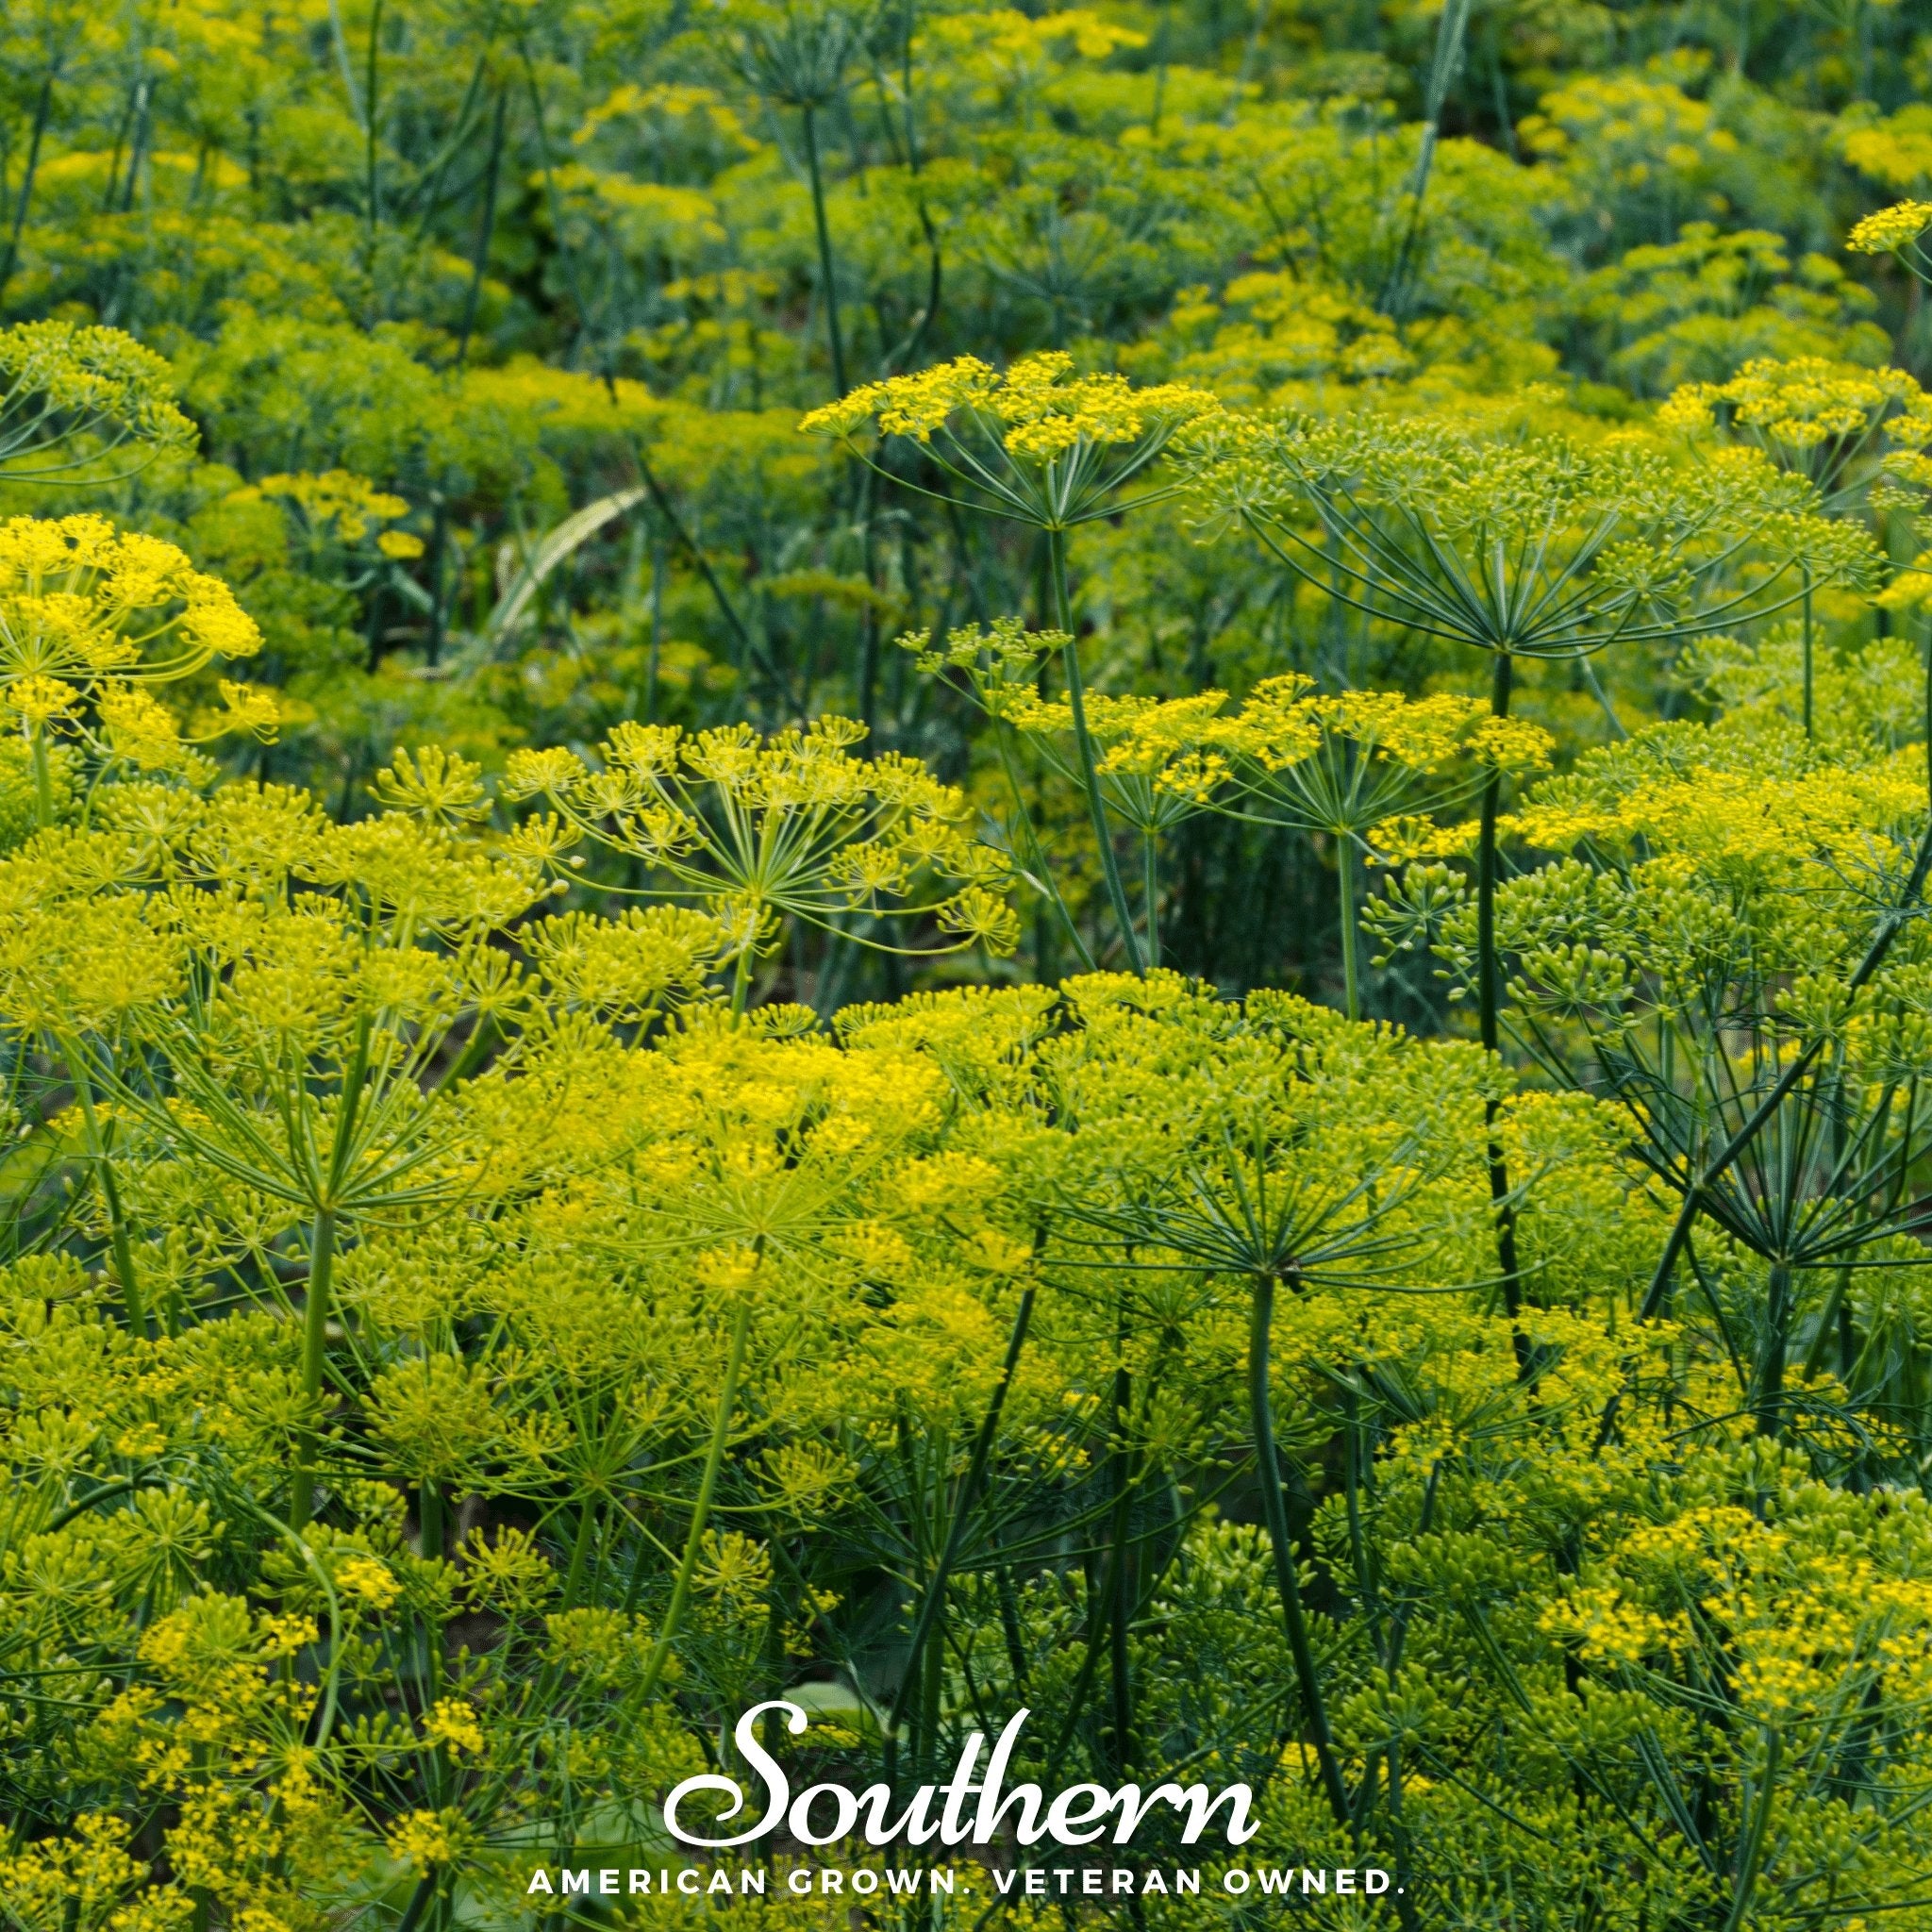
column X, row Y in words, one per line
column 468, row 1331
column 1049, row 449
column 1533, row 550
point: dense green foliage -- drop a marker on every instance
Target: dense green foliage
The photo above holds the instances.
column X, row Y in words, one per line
column 959, row 859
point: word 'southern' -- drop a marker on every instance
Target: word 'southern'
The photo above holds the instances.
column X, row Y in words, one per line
column 1077, row 1816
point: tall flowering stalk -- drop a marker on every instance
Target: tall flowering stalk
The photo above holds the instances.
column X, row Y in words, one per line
column 796, row 55
column 1049, row 449
column 1539, row 549
column 1340, row 764
column 1851, row 432
column 999, row 666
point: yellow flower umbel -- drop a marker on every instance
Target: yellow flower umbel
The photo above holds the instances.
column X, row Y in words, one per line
column 1898, row 230
column 72, row 396
column 793, row 827
column 1044, row 446
column 1038, row 444
column 339, row 503
column 89, row 615
column 1810, row 415
column 1845, row 429
column 1339, row 765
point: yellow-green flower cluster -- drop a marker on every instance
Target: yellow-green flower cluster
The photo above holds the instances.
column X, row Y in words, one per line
column 1891, row 229
column 1041, row 408
column 70, row 392
column 763, row 831
column 1286, row 721
column 349, row 505
column 1801, row 403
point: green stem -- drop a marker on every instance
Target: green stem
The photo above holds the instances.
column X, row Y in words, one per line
column 580, row 1555
column 486, row 227
column 1351, row 970
column 319, row 1299
column 119, row 1239
column 1808, row 652
column 424, row 1891
column 1150, row 886
column 1120, row 1574
column 1751, row 1848
column 828, row 290
column 322, row 1268
column 43, row 775
column 1274, row 1515
column 429, row 1525
column 372, row 207
column 701, row 1509
column 1366, row 1595
column 1083, row 746
column 1768, row 1397
column 1448, row 57
column 1827, row 1322
column 1490, row 1005
column 42, row 108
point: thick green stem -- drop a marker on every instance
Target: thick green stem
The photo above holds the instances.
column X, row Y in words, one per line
column 1274, row 1515
column 43, row 775
column 1751, row 1846
column 829, row 291
column 1351, row 970
column 1768, row 1397
column 1083, row 746
column 321, row 1269
column 1807, row 654
column 429, row 1521
column 701, row 1509
column 42, row 108
column 119, row 1239
column 1490, row 1008
column 419, row 1899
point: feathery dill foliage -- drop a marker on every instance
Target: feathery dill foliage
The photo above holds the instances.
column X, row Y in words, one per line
column 1297, row 1137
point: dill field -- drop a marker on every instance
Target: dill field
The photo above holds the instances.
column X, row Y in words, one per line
column 955, row 861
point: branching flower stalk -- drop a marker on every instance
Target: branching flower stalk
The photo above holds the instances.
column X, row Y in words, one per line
column 762, row 832
column 1538, row 550
column 1356, row 766
column 1050, row 450
column 1250, row 1206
